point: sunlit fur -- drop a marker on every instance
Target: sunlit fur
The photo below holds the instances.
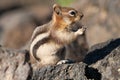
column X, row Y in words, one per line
column 58, row 33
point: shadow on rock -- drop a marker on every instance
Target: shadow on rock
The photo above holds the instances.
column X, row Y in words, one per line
column 99, row 51
column 92, row 73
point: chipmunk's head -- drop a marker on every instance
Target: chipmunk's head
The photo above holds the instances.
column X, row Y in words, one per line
column 66, row 24
column 66, row 15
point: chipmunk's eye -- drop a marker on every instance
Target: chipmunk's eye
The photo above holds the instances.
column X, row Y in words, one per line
column 72, row 13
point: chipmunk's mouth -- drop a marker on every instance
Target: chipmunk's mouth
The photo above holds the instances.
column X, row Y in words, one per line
column 75, row 26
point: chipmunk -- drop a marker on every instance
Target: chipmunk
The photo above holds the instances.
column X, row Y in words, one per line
column 48, row 40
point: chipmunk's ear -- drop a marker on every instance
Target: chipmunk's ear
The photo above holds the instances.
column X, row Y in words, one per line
column 57, row 9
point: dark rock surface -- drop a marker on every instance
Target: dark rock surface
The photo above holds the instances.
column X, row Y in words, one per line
column 61, row 72
column 76, row 71
column 109, row 67
column 100, row 51
column 101, row 63
column 13, row 65
column 105, row 57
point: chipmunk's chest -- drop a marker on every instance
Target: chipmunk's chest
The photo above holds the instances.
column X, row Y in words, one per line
column 43, row 46
column 45, row 49
column 48, row 49
column 48, row 53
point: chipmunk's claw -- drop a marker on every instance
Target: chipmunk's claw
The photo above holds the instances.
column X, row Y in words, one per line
column 80, row 31
column 67, row 61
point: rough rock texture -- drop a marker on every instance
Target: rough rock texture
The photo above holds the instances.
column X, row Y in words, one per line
column 109, row 67
column 13, row 65
column 61, row 72
column 76, row 71
column 106, row 58
column 101, row 63
column 100, row 51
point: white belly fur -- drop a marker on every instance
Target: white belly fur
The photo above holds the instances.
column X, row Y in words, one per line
column 47, row 53
column 39, row 37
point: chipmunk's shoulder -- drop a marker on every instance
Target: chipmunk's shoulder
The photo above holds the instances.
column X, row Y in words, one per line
column 40, row 29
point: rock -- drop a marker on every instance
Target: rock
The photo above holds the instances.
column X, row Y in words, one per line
column 101, row 63
column 100, row 51
column 105, row 57
column 13, row 65
column 77, row 71
column 61, row 72
column 109, row 67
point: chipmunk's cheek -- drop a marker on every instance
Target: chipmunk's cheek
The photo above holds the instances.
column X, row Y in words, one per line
column 67, row 20
column 77, row 18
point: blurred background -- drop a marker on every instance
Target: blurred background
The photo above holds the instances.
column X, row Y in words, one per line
column 18, row 19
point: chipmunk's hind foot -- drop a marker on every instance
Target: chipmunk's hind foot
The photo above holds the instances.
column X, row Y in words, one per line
column 66, row 61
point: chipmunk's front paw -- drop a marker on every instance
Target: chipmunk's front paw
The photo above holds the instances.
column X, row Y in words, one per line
column 80, row 31
column 67, row 61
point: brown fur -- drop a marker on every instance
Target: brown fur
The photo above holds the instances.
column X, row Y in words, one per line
column 55, row 35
